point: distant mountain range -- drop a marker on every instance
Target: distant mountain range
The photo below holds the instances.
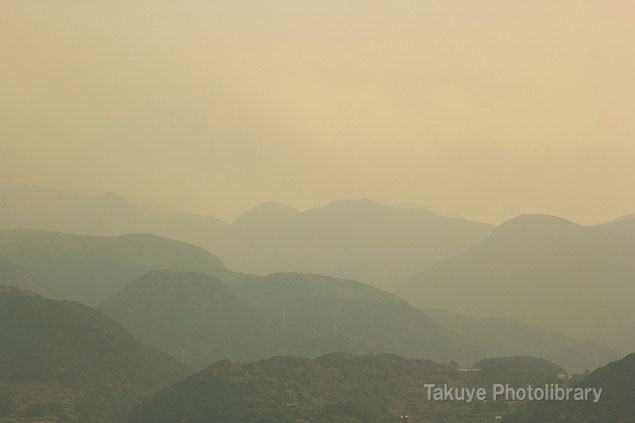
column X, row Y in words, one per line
column 335, row 388
column 358, row 239
column 187, row 314
column 181, row 299
column 200, row 319
column 90, row 269
column 15, row 276
column 497, row 337
column 543, row 270
column 64, row 362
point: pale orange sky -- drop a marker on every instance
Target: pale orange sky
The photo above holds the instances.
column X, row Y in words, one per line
column 489, row 108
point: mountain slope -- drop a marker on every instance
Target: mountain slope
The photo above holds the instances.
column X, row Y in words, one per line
column 265, row 215
column 13, row 275
column 355, row 239
column 543, row 270
column 509, row 337
column 328, row 309
column 70, row 363
column 615, row 406
column 36, row 207
column 90, row 269
column 189, row 315
column 335, row 388
column 198, row 318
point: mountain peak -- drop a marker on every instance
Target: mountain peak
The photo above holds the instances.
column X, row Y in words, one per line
column 115, row 200
column 535, row 225
column 271, row 211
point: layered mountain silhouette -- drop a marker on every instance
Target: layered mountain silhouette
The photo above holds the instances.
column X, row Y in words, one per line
column 510, row 337
column 543, row 270
column 90, row 269
column 355, row 239
column 199, row 319
column 191, row 316
column 36, row 207
column 65, row 362
column 328, row 309
column 291, row 313
column 334, row 388
column 13, row 275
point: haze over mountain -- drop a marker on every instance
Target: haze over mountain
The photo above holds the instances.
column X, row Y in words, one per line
column 356, row 239
column 491, row 109
column 65, row 362
column 310, row 200
column 543, row 270
column 327, row 308
column 191, row 316
column 37, row 207
column 13, row 275
column 90, row 269
column 509, row 337
column 199, row 319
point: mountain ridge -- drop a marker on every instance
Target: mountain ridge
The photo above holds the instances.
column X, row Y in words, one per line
column 547, row 262
column 353, row 239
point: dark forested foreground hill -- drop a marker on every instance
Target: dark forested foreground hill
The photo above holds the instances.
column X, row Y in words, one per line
column 90, row 269
column 65, row 362
column 335, row 388
column 199, row 319
column 543, row 270
column 358, row 239
column 617, row 404
column 503, row 337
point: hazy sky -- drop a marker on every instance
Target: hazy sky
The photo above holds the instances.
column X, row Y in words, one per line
column 490, row 108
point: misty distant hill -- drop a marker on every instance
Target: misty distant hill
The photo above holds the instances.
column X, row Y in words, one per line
column 36, row 207
column 187, row 315
column 374, row 320
column 64, row 362
column 615, row 406
column 355, row 239
column 441, row 211
column 510, row 337
column 199, row 319
column 13, row 275
column 90, row 269
column 334, row 388
column 544, row 270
